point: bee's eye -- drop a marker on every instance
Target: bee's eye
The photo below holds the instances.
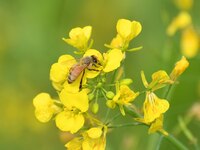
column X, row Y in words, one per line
column 94, row 59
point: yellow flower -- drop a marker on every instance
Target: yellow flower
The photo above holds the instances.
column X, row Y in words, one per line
column 124, row 96
column 93, row 139
column 184, row 4
column 189, row 42
column 179, row 68
column 69, row 120
column 60, row 70
column 44, row 107
column 156, row 125
column 127, row 29
column 72, row 119
column 153, row 107
column 107, row 63
column 179, row 22
column 79, row 38
column 159, row 80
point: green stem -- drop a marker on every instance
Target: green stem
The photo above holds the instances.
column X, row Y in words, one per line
column 176, row 142
column 165, row 97
column 112, row 119
column 168, row 91
column 125, row 125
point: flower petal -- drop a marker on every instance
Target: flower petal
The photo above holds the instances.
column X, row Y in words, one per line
column 78, row 100
column 87, row 31
column 113, row 60
column 124, row 28
column 153, row 107
column 94, row 132
column 69, row 121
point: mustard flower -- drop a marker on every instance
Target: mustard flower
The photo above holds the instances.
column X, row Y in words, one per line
column 156, row 125
column 179, row 68
column 44, row 107
column 60, row 70
column 127, row 29
column 78, row 38
column 124, row 96
column 72, row 119
column 189, row 42
column 179, row 22
column 93, row 139
column 109, row 61
column 153, row 107
column 159, row 80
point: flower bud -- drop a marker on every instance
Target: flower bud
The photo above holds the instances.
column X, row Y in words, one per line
column 179, row 68
column 90, row 96
column 126, row 81
column 110, row 95
column 95, row 108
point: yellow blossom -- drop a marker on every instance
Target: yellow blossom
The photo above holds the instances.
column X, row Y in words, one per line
column 159, row 80
column 124, row 96
column 179, row 68
column 78, row 37
column 69, row 120
column 128, row 29
column 93, row 139
column 44, row 107
column 184, row 4
column 72, row 119
column 153, row 107
column 60, row 70
column 156, row 125
column 189, row 43
column 179, row 22
column 108, row 62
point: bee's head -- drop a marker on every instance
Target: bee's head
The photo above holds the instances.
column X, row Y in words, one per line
column 94, row 59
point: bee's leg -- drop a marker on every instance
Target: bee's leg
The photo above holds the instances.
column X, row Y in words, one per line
column 93, row 69
column 81, row 82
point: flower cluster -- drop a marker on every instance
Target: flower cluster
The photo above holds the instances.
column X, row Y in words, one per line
column 82, row 81
column 189, row 43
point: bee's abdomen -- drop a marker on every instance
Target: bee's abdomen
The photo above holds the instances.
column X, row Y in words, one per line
column 70, row 79
column 74, row 73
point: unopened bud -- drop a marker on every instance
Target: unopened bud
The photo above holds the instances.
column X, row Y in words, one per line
column 179, row 68
column 110, row 95
column 103, row 80
column 90, row 96
column 126, row 81
column 95, row 108
column 99, row 85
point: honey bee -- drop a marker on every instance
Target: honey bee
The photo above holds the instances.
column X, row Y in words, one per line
column 78, row 68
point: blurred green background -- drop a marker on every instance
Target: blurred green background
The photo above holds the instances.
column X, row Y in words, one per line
column 30, row 41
